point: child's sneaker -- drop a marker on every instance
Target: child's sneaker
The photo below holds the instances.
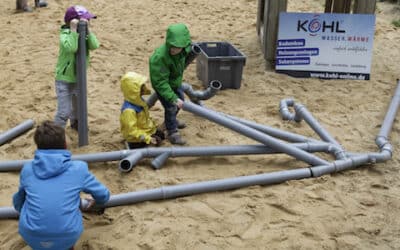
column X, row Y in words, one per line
column 175, row 138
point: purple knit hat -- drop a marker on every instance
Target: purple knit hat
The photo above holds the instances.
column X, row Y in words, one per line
column 78, row 12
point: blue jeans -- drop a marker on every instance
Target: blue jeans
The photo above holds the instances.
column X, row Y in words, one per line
column 67, row 94
column 170, row 111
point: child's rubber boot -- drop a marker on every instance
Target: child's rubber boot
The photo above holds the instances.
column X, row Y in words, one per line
column 176, row 138
column 27, row 9
column 40, row 4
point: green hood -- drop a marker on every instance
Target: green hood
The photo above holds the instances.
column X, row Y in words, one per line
column 178, row 36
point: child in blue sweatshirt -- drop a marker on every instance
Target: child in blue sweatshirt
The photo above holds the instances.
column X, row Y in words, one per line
column 48, row 198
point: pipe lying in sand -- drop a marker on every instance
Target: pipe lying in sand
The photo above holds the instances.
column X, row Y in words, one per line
column 275, row 132
column 162, row 154
column 386, row 127
column 16, row 165
column 128, row 157
column 285, row 112
column 16, row 131
column 284, row 135
column 168, row 192
column 254, row 134
column 174, row 191
column 303, row 113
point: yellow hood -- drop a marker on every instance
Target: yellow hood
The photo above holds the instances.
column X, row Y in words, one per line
column 131, row 84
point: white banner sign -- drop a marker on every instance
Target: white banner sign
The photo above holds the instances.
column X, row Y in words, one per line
column 335, row 46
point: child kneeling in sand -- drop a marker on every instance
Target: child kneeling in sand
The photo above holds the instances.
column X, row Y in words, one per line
column 137, row 127
column 48, row 199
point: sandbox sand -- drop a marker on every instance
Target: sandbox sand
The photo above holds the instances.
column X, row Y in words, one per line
column 357, row 209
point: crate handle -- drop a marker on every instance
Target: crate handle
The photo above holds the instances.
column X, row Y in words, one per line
column 225, row 68
column 212, row 45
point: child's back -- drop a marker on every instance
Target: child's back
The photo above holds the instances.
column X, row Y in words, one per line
column 48, row 198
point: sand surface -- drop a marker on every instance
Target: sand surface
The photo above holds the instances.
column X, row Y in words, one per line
column 357, row 209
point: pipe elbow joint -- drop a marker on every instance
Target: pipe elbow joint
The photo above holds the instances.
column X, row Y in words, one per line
column 284, row 109
column 381, row 141
column 387, row 148
column 127, row 164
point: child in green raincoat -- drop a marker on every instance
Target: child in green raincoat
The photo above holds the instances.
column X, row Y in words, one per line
column 166, row 73
column 137, row 127
column 65, row 73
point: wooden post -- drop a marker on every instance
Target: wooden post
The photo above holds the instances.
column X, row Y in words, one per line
column 328, row 6
column 260, row 15
column 337, row 6
column 347, row 6
column 268, row 26
column 364, row 7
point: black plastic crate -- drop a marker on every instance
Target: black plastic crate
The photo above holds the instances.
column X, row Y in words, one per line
column 220, row 61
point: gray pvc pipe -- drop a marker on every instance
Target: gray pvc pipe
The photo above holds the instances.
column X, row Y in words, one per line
column 386, row 127
column 162, row 154
column 160, row 160
column 169, row 192
column 254, row 134
column 194, row 52
column 376, row 157
column 82, row 85
column 152, row 99
column 340, row 165
column 197, row 95
column 138, row 154
column 275, row 132
column 381, row 141
column 194, row 95
column 284, row 135
column 301, row 111
column 8, row 213
column 16, row 165
column 285, row 112
column 16, row 131
column 238, row 182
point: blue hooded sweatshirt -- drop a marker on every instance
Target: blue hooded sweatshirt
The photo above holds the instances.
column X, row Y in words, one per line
column 48, row 199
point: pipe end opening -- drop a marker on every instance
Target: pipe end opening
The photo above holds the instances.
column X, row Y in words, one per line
column 215, row 84
column 196, row 49
column 125, row 166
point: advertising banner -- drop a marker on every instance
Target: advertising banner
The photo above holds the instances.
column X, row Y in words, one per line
column 328, row 46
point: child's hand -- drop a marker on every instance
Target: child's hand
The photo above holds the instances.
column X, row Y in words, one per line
column 153, row 141
column 73, row 25
column 89, row 203
column 179, row 103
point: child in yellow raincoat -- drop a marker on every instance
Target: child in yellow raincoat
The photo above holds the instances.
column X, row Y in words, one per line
column 137, row 127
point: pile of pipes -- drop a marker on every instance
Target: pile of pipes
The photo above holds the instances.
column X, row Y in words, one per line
column 272, row 141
